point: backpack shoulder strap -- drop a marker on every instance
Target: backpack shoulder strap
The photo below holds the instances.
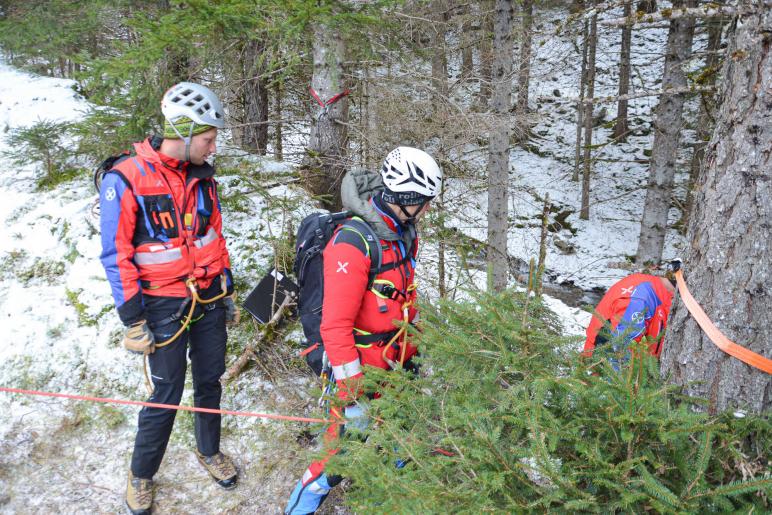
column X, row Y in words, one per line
column 373, row 245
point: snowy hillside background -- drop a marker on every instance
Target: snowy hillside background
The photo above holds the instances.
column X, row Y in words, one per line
column 60, row 333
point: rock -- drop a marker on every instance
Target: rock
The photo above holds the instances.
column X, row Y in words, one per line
column 556, row 92
column 564, row 246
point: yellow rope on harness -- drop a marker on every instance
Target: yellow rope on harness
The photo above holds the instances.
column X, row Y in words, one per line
column 400, row 332
column 194, row 299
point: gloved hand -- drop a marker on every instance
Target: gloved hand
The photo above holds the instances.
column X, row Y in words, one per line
column 232, row 311
column 139, row 338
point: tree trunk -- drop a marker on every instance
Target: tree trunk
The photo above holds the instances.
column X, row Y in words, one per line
column 580, row 104
column 621, row 128
column 278, row 145
column 646, row 6
column 498, row 147
column 667, row 128
column 254, row 134
column 440, row 93
column 524, row 73
column 325, row 162
column 729, row 256
column 705, row 121
column 439, row 55
column 467, row 37
column 584, row 213
column 486, row 54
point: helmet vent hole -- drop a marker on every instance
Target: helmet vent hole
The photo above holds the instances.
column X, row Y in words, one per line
column 198, row 98
column 190, row 103
column 187, row 92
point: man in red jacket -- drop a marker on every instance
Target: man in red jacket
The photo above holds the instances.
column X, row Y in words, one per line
column 162, row 244
column 357, row 325
column 633, row 308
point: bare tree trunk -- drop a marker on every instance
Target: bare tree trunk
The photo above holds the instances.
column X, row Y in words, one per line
column 621, row 128
column 254, row 134
column 278, row 145
column 646, row 6
column 730, row 253
column 524, row 73
column 440, row 92
column 584, row 212
column 498, row 148
column 667, row 128
column 467, row 37
column 325, row 162
column 486, row 54
column 705, row 121
column 580, row 104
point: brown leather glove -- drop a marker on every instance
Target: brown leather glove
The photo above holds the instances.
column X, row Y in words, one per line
column 139, row 338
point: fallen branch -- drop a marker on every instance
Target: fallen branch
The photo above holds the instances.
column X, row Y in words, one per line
column 707, row 11
column 250, row 352
column 642, row 94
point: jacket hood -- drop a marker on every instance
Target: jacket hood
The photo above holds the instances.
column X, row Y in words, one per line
column 356, row 189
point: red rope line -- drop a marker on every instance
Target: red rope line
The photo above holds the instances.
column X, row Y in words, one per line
column 164, row 406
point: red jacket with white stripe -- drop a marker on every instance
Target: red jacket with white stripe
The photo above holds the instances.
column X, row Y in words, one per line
column 161, row 224
column 350, row 308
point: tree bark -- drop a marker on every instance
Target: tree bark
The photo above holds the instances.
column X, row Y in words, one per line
column 621, row 128
column 729, row 256
column 580, row 103
column 278, row 128
column 584, row 212
column 486, row 54
column 498, row 147
column 646, row 6
column 467, row 46
column 325, row 162
column 705, row 121
column 254, row 134
column 440, row 93
column 667, row 129
column 524, row 73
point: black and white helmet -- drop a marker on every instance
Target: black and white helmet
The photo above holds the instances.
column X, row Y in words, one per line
column 193, row 101
column 410, row 176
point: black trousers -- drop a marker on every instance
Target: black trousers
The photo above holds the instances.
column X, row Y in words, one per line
column 204, row 343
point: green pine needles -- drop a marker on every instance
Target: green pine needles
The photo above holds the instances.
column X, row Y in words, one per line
column 506, row 417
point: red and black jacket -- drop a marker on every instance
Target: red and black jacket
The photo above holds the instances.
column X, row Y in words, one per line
column 351, row 312
column 161, row 224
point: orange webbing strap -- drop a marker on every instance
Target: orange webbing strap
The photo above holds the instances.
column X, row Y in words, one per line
column 722, row 342
column 166, row 406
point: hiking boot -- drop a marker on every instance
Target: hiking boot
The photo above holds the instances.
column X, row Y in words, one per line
column 221, row 468
column 139, row 495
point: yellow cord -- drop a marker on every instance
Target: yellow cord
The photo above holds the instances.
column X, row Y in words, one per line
column 191, row 284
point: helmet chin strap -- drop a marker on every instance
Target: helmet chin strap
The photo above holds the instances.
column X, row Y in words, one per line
column 411, row 219
column 184, row 138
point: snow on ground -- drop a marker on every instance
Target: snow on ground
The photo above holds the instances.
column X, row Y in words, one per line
column 619, row 171
column 61, row 333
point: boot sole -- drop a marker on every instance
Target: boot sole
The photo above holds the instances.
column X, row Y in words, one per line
column 134, row 512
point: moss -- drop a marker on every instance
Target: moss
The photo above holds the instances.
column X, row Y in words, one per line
column 41, row 269
column 84, row 319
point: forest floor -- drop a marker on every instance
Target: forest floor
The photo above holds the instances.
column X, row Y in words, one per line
column 60, row 333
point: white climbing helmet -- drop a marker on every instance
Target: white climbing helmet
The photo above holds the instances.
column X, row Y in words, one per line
column 409, row 172
column 193, row 101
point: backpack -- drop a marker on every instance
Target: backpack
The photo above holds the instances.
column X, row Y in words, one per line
column 314, row 232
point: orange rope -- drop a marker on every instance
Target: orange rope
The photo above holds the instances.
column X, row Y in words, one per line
column 722, row 342
column 165, row 406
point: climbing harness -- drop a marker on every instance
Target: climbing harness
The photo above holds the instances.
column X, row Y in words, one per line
column 193, row 300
